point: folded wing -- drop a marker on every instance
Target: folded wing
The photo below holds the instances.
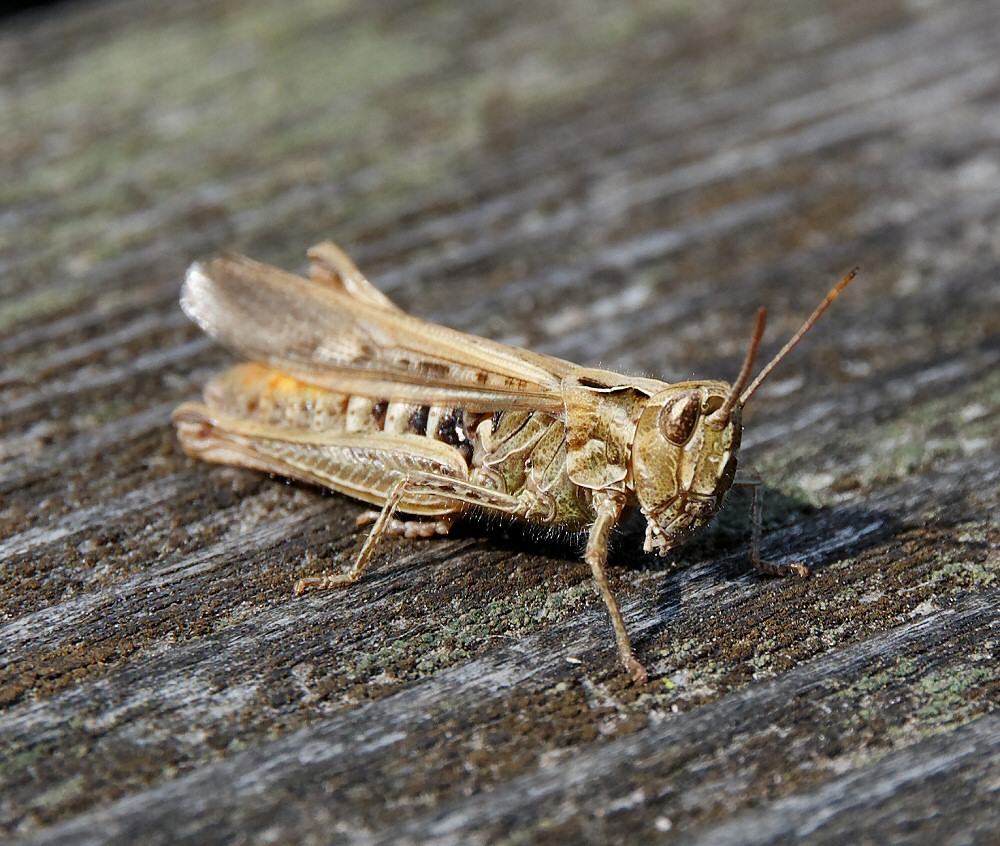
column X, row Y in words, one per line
column 351, row 339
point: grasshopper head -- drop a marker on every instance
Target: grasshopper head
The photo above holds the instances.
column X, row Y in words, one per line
column 684, row 459
column 684, row 456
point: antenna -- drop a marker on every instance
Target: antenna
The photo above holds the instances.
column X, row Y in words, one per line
column 721, row 417
column 810, row 322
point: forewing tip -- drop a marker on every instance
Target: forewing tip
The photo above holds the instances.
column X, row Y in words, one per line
column 194, row 291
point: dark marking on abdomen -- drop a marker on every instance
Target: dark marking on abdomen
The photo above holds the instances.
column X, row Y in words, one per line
column 418, row 420
column 451, row 430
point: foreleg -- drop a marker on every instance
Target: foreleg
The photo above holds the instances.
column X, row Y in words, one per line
column 608, row 511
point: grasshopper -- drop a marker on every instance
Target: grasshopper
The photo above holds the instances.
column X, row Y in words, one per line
column 346, row 391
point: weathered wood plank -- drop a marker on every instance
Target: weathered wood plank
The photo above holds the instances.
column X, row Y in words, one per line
column 616, row 184
column 333, row 760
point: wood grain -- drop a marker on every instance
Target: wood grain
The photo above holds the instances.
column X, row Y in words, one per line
column 617, row 184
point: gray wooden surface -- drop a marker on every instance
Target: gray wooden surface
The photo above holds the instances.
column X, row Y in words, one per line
column 618, row 184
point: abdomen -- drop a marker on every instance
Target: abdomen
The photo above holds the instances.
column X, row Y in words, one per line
column 265, row 395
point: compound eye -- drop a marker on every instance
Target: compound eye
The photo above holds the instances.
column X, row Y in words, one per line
column 678, row 418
